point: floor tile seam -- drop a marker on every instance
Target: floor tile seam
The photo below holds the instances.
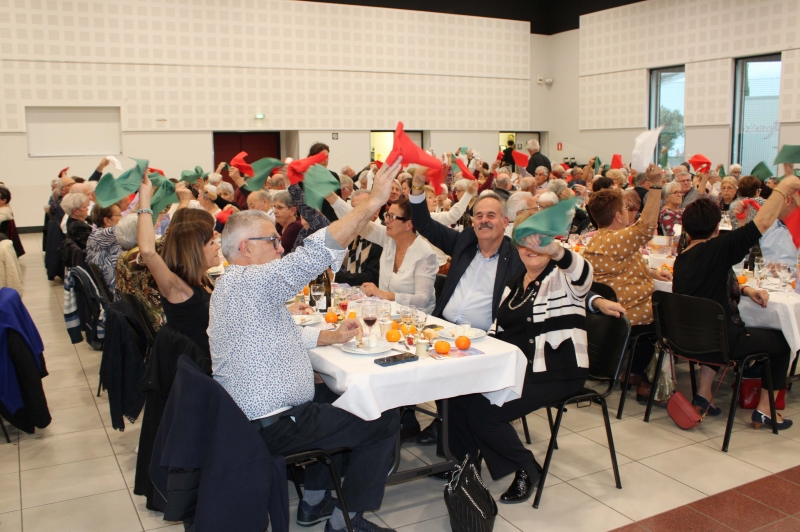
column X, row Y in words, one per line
column 767, row 504
column 39, row 436
column 69, row 462
column 74, row 499
column 130, row 489
column 709, row 517
column 599, row 501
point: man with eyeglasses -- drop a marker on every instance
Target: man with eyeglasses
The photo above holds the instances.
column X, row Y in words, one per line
column 691, row 193
column 259, row 356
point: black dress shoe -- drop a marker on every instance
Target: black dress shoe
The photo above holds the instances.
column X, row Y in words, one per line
column 521, row 488
column 308, row 515
column 409, row 432
column 430, row 435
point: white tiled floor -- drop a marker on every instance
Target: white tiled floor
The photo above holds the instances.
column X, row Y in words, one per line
column 77, row 474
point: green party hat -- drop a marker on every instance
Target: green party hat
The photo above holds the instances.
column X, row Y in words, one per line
column 110, row 190
column 550, row 222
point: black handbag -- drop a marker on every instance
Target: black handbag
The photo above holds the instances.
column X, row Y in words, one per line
column 469, row 503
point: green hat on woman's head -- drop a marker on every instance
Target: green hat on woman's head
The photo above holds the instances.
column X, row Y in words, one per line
column 550, row 222
column 163, row 196
column 110, row 190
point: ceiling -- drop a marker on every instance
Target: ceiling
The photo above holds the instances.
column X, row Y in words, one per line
column 547, row 17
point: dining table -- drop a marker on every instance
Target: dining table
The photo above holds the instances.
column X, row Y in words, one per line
column 367, row 389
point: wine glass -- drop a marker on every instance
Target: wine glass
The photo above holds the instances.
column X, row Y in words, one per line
column 384, row 310
column 760, row 272
column 369, row 313
column 420, row 319
column 317, row 291
column 407, row 315
column 785, row 274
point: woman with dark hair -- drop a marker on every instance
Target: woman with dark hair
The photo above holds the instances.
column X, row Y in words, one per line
column 180, row 270
column 704, row 270
column 742, row 209
column 408, row 262
column 102, row 248
column 5, row 211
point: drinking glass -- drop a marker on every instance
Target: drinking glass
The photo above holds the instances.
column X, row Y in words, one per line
column 760, row 272
column 785, row 273
column 384, row 310
column 407, row 315
column 369, row 313
column 420, row 319
column 317, row 292
column 465, row 326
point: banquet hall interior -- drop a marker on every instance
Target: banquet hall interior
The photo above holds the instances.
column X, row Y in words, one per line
column 292, row 114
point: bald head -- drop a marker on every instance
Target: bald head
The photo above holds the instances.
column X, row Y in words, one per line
column 527, row 184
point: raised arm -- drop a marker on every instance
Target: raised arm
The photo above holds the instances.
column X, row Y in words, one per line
column 771, row 209
column 438, row 235
column 457, row 210
column 170, row 285
column 652, row 206
column 373, row 231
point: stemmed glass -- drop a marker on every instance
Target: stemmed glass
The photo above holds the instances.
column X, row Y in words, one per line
column 420, row 319
column 384, row 310
column 407, row 315
column 317, row 291
column 369, row 314
column 785, row 273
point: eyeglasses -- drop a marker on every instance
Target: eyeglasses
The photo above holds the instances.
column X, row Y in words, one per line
column 274, row 239
column 390, row 217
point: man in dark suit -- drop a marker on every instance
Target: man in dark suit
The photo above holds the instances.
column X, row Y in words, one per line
column 537, row 158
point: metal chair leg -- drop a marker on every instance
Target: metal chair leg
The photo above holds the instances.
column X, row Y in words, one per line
column 732, row 412
column 771, row 393
column 546, row 466
column 610, row 442
column 693, row 376
column 525, row 429
column 5, row 432
column 293, row 472
column 337, row 485
column 99, row 387
column 550, row 420
column 653, row 390
column 625, row 385
column 794, row 369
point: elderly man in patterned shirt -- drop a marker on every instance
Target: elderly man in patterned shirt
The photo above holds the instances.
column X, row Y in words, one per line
column 259, row 356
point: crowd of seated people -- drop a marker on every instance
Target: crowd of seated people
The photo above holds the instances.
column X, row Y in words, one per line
column 392, row 233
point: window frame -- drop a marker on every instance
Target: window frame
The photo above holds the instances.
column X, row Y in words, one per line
column 740, row 70
column 654, row 101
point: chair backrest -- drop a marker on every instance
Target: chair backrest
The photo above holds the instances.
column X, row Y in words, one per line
column 693, row 327
column 605, row 291
column 607, row 339
column 84, row 293
column 138, row 309
column 438, row 285
column 100, row 281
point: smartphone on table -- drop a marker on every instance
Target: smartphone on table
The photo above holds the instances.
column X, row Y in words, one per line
column 396, row 359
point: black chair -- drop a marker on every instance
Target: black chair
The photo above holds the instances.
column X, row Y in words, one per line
column 701, row 336
column 147, row 326
column 438, row 285
column 604, row 291
column 90, row 305
column 309, row 457
column 607, row 339
column 5, row 432
column 100, row 281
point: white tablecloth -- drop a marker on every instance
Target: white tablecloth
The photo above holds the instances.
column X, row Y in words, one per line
column 782, row 313
column 367, row 389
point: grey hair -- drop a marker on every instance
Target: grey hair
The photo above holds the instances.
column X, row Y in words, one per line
column 126, row 233
column 55, row 183
column 547, row 199
column 735, row 167
column 461, row 184
column 671, row 187
column 364, row 175
column 91, row 186
column 639, row 179
column 517, row 203
column 504, row 170
column 501, row 182
column 345, row 181
column 357, row 193
column 544, row 168
column 224, row 186
column 557, row 186
column 214, row 178
column 284, row 197
column 533, row 144
column 279, row 179
column 680, row 173
column 239, row 226
column 262, row 195
column 73, row 201
column 487, row 194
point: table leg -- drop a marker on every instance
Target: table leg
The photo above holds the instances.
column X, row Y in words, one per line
column 398, row 477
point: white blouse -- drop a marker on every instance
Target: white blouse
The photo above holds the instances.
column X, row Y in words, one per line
column 447, row 218
column 413, row 282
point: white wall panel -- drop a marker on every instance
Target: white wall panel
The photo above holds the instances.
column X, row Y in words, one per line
column 613, row 101
column 790, row 86
column 709, row 93
column 660, row 33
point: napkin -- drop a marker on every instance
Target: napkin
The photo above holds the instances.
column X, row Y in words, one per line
column 110, row 190
column 262, row 169
column 643, row 148
column 550, row 222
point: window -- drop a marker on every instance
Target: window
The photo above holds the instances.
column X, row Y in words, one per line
column 73, row 131
column 755, row 111
column 666, row 108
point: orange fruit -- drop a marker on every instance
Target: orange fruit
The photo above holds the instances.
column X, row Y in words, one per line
column 404, row 329
column 305, row 290
column 792, row 285
column 331, row 317
column 393, row 336
column 412, row 330
column 395, row 325
column 441, row 347
column 351, row 315
column 463, row 343
column 742, row 279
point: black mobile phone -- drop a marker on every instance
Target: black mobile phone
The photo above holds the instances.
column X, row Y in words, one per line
column 396, row 359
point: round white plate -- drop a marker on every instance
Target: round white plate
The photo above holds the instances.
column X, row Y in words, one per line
column 382, row 347
column 474, row 334
column 307, row 319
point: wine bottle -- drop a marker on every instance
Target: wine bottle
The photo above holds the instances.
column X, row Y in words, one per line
column 683, row 243
column 326, row 281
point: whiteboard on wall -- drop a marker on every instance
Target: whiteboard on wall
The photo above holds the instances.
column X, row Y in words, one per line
column 73, row 131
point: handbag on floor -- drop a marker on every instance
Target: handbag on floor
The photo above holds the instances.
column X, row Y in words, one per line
column 681, row 410
column 469, row 503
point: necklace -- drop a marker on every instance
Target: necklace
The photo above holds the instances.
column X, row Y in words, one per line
column 532, row 294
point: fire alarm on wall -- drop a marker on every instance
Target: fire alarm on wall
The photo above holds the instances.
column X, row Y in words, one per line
column 335, row 136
